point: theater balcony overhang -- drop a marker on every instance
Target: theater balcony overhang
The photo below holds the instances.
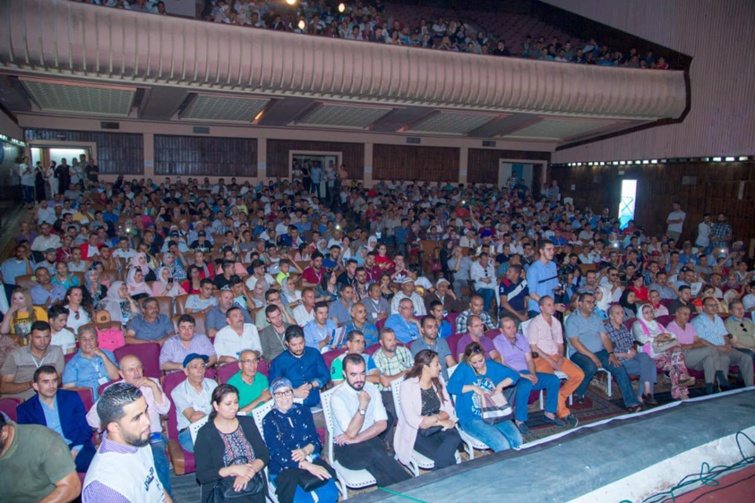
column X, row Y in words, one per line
column 61, row 57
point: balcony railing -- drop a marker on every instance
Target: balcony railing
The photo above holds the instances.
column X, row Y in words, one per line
column 73, row 40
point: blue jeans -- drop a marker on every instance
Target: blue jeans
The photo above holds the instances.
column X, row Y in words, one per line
column 499, row 437
column 184, row 438
column 162, row 465
column 549, row 382
column 488, row 296
column 619, row 372
column 28, row 193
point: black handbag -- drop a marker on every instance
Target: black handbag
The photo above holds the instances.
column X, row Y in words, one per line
column 429, row 432
column 224, row 491
column 309, row 482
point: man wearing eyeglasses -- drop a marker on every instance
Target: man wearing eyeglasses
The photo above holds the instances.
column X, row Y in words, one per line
column 252, row 385
column 711, row 327
column 742, row 329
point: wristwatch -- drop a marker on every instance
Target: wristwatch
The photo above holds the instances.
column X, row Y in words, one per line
column 362, row 411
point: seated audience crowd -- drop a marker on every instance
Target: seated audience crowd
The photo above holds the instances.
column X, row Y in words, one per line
column 373, row 22
column 421, row 306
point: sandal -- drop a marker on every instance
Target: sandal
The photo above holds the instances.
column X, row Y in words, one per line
column 635, row 408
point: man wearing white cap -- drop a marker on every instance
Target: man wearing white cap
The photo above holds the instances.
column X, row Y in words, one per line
column 408, row 292
column 443, row 294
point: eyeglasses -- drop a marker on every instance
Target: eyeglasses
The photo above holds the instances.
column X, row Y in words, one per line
column 250, row 360
column 281, row 394
column 742, row 326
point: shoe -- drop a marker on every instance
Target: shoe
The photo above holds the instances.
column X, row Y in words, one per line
column 649, row 400
column 689, row 381
column 580, row 401
column 554, row 420
column 524, row 429
column 572, row 420
column 635, row 408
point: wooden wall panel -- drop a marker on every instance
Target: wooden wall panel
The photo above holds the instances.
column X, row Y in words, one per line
column 483, row 164
column 403, row 162
column 117, row 153
column 205, row 156
column 352, row 155
column 699, row 187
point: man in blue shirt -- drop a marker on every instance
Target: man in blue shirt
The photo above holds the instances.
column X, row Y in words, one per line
column 63, row 412
column 592, row 349
column 403, row 323
column 542, row 277
column 318, row 333
column 91, row 366
column 150, row 326
column 303, row 366
column 44, row 293
column 710, row 327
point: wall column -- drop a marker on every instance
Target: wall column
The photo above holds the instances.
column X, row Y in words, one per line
column 463, row 164
column 261, row 158
column 368, row 164
column 149, row 155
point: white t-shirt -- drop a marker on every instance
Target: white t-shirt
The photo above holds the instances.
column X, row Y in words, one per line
column 229, row 343
column 703, row 235
column 676, row 215
column 64, row 339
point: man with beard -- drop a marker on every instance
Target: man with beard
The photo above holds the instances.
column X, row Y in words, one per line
column 35, row 464
column 358, row 418
column 123, row 468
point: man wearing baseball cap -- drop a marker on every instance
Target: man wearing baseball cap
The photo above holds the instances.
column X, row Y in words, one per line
column 192, row 398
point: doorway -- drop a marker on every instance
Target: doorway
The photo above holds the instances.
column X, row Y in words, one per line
column 512, row 173
column 310, row 160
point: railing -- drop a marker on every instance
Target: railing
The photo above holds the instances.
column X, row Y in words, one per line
column 57, row 37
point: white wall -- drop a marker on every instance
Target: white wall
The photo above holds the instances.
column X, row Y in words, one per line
column 720, row 37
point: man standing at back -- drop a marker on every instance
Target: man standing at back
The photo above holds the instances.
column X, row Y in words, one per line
column 123, row 468
column 542, row 277
column 675, row 221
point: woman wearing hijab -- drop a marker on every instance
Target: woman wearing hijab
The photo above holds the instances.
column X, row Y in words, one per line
column 137, row 287
column 294, row 447
column 119, row 303
column 602, row 301
column 665, row 349
column 166, row 286
column 628, row 301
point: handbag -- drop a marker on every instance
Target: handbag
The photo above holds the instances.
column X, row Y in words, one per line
column 309, row 482
column 495, row 408
column 662, row 346
column 224, row 491
column 429, row 432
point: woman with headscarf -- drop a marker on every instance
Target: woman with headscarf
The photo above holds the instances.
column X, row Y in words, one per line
column 94, row 290
column 176, row 268
column 137, row 287
column 665, row 349
column 602, row 301
column 141, row 262
column 628, row 301
column 294, row 447
column 166, row 285
column 119, row 303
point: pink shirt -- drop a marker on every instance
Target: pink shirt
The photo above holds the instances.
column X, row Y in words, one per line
column 544, row 336
column 154, row 410
column 684, row 336
column 110, row 339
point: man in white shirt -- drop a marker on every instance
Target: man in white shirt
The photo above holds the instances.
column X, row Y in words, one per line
column 192, row 398
column 408, row 292
column 305, row 312
column 358, row 418
column 231, row 340
column 482, row 273
column 675, row 221
column 703, row 233
column 45, row 239
column 123, row 468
